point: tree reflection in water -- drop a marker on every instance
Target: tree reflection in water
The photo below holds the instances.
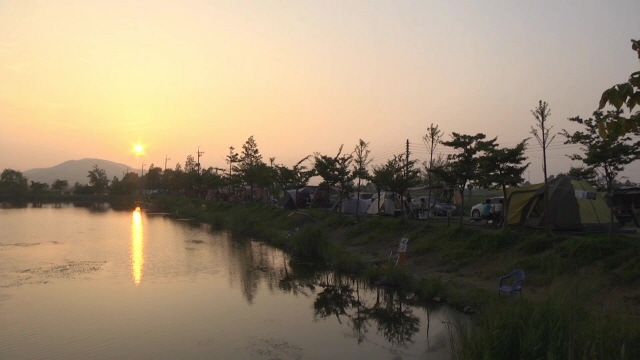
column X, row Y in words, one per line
column 341, row 297
column 336, row 295
column 398, row 324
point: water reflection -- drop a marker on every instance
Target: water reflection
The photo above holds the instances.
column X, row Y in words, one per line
column 345, row 298
column 137, row 246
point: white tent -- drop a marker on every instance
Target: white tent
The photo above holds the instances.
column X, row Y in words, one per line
column 386, row 205
column 353, row 205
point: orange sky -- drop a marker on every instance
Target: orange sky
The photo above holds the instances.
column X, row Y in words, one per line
column 88, row 79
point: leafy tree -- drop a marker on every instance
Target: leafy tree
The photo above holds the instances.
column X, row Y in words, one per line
column 231, row 159
column 628, row 94
column 211, row 179
column 401, row 174
column 606, row 156
column 335, row 171
column 381, row 178
column 128, row 185
column 12, row 182
column 443, row 175
column 504, row 167
column 153, row 178
column 116, row 186
column 584, row 173
column 431, row 139
column 98, row 180
column 38, row 187
column 463, row 166
column 251, row 168
column 190, row 164
column 436, row 171
column 79, row 189
column 295, row 177
column 541, row 133
column 59, row 185
column 360, row 171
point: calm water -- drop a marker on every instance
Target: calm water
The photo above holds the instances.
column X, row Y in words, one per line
column 77, row 283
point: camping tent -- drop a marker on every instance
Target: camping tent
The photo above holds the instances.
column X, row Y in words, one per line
column 325, row 197
column 353, row 205
column 288, row 200
column 385, row 205
column 573, row 205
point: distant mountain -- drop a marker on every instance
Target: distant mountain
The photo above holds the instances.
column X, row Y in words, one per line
column 77, row 170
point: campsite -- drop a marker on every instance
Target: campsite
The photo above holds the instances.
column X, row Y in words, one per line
column 580, row 276
column 574, row 205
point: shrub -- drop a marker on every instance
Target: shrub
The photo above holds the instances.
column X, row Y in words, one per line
column 311, row 242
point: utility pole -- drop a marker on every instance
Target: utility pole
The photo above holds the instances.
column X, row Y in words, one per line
column 143, row 169
column 166, row 157
column 218, row 169
column 199, row 154
column 406, row 176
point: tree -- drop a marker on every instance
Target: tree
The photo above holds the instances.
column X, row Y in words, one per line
column 381, row 177
column 606, row 156
column 504, row 167
column 231, row 159
column 153, row 178
column 13, row 183
column 79, row 189
column 59, row 185
column 435, row 171
column 190, row 164
column 431, row 139
column 211, row 179
column 295, row 177
column 583, row 173
column 463, row 166
column 98, row 180
column 38, row 187
column 360, row 171
column 250, row 167
column 335, row 171
column 622, row 94
column 400, row 174
column 541, row 133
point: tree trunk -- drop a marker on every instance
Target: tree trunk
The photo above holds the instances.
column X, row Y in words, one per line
column 461, row 204
column 505, row 207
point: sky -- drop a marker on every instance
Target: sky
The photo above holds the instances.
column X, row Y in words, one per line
column 90, row 79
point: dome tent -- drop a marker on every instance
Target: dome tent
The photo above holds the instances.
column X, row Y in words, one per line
column 573, row 205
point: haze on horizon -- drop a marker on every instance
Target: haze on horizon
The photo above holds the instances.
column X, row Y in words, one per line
column 92, row 79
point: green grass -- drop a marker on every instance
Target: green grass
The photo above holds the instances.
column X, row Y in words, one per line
column 557, row 327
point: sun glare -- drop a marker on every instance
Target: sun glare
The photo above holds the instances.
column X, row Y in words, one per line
column 138, row 149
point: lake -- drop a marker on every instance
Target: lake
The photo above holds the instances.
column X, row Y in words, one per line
column 95, row 283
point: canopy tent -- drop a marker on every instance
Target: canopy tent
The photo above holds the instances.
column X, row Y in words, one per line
column 573, row 205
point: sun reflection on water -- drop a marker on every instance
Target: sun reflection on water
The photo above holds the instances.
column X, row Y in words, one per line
column 137, row 246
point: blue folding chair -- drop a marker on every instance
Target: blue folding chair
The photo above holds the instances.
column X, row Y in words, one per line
column 516, row 277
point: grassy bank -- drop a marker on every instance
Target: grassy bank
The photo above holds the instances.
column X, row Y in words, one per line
column 580, row 297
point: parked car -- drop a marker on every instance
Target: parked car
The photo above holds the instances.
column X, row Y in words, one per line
column 434, row 206
column 496, row 207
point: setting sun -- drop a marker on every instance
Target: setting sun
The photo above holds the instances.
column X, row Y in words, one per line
column 138, row 149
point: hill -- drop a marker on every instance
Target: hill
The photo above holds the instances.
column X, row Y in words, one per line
column 76, row 171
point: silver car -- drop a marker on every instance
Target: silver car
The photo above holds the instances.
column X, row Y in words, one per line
column 435, row 207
